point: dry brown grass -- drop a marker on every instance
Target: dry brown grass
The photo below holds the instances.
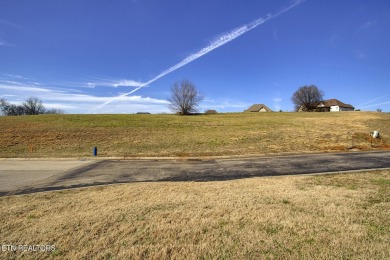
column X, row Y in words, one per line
column 204, row 135
column 304, row 217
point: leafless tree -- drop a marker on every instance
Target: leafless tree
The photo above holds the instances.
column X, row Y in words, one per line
column 307, row 98
column 16, row 110
column 53, row 111
column 185, row 98
column 3, row 106
column 8, row 109
column 33, row 106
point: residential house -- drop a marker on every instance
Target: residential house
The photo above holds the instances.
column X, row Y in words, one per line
column 258, row 108
column 334, row 105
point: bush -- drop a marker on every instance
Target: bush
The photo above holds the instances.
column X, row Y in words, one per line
column 211, row 112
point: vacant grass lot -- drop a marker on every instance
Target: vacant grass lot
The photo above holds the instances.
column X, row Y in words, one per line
column 203, row 135
column 343, row 216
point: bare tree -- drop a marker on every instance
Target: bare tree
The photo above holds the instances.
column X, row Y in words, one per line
column 16, row 110
column 307, row 98
column 53, row 111
column 8, row 109
column 185, row 98
column 3, row 106
column 33, row 106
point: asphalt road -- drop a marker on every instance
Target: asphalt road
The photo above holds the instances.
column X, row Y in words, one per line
column 20, row 177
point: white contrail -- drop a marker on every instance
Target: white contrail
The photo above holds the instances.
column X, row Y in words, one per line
column 383, row 103
column 373, row 100
column 222, row 40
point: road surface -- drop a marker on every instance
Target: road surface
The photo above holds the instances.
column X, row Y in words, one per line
column 21, row 177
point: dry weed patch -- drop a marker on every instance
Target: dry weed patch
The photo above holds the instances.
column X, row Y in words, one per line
column 203, row 135
column 322, row 217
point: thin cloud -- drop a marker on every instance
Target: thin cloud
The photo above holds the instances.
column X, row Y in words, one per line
column 223, row 103
column 94, row 83
column 19, row 77
column 21, row 88
column 378, row 104
column 62, row 106
column 91, row 85
column 220, row 41
column 127, row 83
column 367, row 25
column 115, row 83
column 373, row 100
column 277, row 102
column 18, row 80
column 3, row 23
column 17, row 92
column 5, row 44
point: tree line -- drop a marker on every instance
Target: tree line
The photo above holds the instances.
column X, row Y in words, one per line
column 31, row 106
column 185, row 98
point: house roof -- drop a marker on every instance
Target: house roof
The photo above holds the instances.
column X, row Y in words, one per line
column 334, row 102
column 257, row 108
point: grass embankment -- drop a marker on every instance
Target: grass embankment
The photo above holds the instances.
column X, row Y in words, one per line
column 297, row 217
column 204, row 135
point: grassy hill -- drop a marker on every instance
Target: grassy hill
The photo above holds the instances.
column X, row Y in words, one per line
column 203, row 135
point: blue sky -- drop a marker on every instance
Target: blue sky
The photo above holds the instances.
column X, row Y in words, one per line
column 123, row 56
